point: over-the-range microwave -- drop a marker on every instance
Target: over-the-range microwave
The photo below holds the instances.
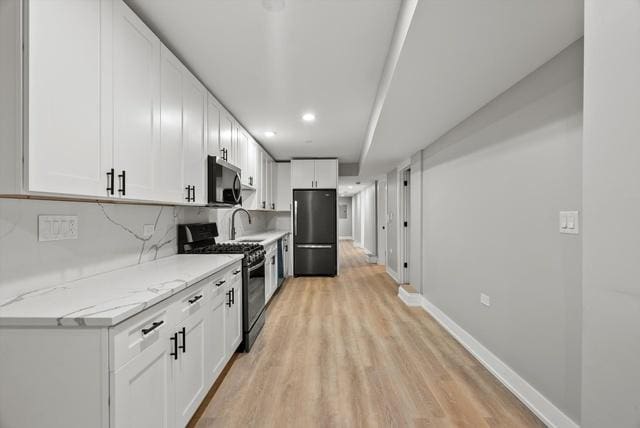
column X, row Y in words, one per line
column 224, row 188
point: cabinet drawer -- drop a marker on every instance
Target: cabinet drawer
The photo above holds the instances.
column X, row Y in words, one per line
column 138, row 333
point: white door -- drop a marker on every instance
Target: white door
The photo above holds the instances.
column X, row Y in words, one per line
column 326, row 173
column 214, row 328
column 66, row 152
column 283, row 186
column 303, row 173
column 168, row 161
column 189, row 372
column 264, row 179
column 233, row 317
column 213, row 127
column 136, row 112
column 226, row 130
column 142, row 394
column 194, row 158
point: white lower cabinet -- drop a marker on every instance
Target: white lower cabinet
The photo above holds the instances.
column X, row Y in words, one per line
column 270, row 271
column 162, row 375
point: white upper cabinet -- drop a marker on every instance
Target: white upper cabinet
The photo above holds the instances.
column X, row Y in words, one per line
column 226, row 133
column 303, row 175
column 283, row 188
column 168, row 171
column 213, row 127
column 314, row 173
column 252, row 163
column 66, row 151
column 194, row 110
column 326, row 173
column 136, row 107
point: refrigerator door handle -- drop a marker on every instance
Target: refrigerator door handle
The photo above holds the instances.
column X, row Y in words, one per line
column 295, row 218
column 314, row 246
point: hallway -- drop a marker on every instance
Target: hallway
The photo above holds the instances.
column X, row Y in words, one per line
column 346, row 351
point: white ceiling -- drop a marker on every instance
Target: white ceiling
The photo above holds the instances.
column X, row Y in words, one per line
column 268, row 65
column 457, row 56
column 349, row 186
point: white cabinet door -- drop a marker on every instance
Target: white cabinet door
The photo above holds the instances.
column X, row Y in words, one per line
column 326, row 173
column 194, row 158
column 141, row 391
column 233, row 316
column 303, row 174
column 213, row 127
column 136, row 93
column 226, row 131
column 252, row 162
column 214, row 327
column 264, row 180
column 188, row 371
column 283, row 186
column 243, row 151
column 66, row 152
column 168, row 159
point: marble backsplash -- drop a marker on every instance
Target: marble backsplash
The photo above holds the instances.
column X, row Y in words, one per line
column 110, row 236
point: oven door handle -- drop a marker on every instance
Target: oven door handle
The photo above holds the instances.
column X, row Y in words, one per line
column 259, row 265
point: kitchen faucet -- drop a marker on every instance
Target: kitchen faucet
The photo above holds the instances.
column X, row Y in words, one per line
column 233, row 221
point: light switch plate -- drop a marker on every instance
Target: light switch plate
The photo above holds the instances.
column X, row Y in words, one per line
column 485, row 299
column 569, row 222
column 57, row 227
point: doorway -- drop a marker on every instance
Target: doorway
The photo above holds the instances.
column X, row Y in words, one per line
column 382, row 221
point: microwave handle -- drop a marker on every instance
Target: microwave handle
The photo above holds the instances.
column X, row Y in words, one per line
column 237, row 188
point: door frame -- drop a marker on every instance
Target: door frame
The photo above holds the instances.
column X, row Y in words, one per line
column 404, row 214
column 382, row 221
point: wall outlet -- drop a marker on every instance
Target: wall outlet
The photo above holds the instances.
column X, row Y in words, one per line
column 569, row 222
column 57, row 227
column 485, row 300
column 148, row 230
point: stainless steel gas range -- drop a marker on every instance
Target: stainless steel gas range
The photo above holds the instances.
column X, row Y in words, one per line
column 201, row 239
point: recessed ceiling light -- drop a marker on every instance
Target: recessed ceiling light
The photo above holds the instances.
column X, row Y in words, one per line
column 269, row 134
column 308, row 117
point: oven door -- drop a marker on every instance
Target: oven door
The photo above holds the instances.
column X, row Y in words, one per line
column 255, row 294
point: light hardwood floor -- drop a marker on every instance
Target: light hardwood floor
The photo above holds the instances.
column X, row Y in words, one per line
column 346, row 351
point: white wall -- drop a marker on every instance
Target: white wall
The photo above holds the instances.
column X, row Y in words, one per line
column 492, row 190
column 345, row 225
column 415, row 223
column 611, row 275
column 357, row 231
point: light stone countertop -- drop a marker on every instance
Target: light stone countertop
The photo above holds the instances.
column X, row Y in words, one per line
column 107, row 299
column 264, row 238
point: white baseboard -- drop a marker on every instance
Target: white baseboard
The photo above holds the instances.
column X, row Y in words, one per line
column 393, row 275
column 530, row 397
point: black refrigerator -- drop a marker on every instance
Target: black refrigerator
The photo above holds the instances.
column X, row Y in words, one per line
column 314, row 232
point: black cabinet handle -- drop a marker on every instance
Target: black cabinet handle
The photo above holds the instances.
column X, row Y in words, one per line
column 237, row 271
column 233, row 296
column 110, row 181
column 229, row 298
column 264, row 204
column 219, row 283
column 174, row 339
column 123, row 183
column 153, row 327
column 183, row 332
column 195, row 299
column 250, row 181
column 188, row 189
column 193, row 196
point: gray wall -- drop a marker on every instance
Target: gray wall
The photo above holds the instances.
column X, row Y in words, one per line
column 415, row 222
column 345, row 226
column 392, row 221
column 492, row 190
column 357, row 231
column 611, row 353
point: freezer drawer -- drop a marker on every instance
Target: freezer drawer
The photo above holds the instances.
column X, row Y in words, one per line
column 315, row 259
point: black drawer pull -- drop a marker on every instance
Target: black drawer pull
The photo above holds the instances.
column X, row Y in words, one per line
column 174, row 339
column 183, row 332
column 233, row 296
column 153, row 327
column 229, row 298
column 110, row 181
column 195, row 299
column 123, row 183
column 219, row 283
column 235, row 272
